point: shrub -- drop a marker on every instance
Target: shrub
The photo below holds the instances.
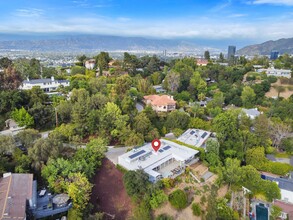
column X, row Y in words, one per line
column 203, row 200
column 158, row 198
column 178, row 199
column 196, row 209
column 164, row 217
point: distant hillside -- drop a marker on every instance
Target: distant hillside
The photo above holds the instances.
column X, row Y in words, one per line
column 95, row 43
column 281, row 45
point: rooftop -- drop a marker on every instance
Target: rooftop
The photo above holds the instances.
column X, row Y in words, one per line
column 251, row 112
column 146, row 158
column 38, row 81
column 16, row 189
column 160, row 100
column 195, row 137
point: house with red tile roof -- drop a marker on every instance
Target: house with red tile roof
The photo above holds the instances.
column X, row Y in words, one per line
column 160, row 103
column 202, row 62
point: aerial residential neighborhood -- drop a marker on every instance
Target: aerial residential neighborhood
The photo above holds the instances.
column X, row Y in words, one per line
column 146, row 110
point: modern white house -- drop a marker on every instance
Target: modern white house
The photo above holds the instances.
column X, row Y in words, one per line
column 47, row 85
column 276, row 72
column 168, row 162
column 195, row 137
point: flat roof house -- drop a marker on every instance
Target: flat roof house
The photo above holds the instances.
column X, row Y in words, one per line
column 163, row 103
column 48, row 85
column 276, row 72
column 168, row 162
column 19, row 199
column 195, row 137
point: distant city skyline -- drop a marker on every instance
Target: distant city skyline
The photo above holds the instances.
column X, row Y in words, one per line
column 241, row 22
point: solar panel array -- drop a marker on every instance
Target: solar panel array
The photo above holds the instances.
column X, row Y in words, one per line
column 167, row 147
column 137, row 154
column 204, row 135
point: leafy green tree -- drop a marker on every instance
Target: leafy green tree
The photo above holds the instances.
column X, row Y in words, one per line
column 142, row 123
column 178, row 199
column 212, row 153
column 44, row 116
column 22, row 161
column 197, row 85
column 42, row 150
column 123, row 84
column 22, row 117
column 143, row 210
column 262, row 130
column 248, row 97
column 232, row 171
column 158, row 197
column 177, row 119
column 134, row 139
column 275, row 211
column 112, row 120
column 224, row 211
column 207, row 55
column 212, row 204
column 27, row 137
column 79, row 190
column 196, row 209
column 172, row 81
column 7, row 144
column 136, row 182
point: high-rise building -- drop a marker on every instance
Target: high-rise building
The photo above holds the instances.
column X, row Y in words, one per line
column 274, row 55
column 231, row 52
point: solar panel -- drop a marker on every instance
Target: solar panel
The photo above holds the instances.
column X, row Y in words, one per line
column 204, row 135
column 161, row 151
column 136, row 154
column 166, row 148
column 192, row 132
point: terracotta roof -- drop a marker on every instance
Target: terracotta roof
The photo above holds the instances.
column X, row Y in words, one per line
column 286, row 207
column 160, row 100
column 15, row 190
column 202, row 61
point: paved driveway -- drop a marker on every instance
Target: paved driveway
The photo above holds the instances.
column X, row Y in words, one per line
column 113, row 153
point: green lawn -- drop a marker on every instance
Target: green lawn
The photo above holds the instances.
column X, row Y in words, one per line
column 283, row 155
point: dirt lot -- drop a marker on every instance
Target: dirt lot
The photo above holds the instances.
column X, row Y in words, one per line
column 273, row 92
column 109, row 194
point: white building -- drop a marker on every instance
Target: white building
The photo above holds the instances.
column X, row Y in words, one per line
column 90, row 64
column 195, row 137
column 251, row 113
column 47, row 85
column 168, row 162
column 276, row 72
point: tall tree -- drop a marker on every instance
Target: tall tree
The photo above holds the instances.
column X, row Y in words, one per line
column 248, row 97
column 42, row 150
column 207, row 55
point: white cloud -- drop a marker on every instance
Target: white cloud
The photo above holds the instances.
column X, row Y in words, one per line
column 204, row 28
column 28, row 12
column 273, row 2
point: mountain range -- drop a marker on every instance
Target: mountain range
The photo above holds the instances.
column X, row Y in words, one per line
column 284, row 45
column 95, row 43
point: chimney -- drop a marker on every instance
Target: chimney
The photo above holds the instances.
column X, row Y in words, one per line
column 52, row 78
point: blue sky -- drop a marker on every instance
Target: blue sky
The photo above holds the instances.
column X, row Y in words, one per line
column 226, row 20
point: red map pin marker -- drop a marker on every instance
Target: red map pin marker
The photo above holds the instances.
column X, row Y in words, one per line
column 156, row 144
